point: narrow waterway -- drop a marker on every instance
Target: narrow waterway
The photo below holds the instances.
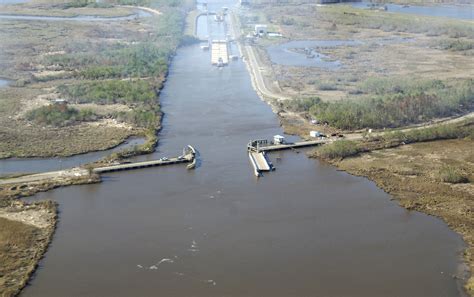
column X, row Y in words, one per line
column 304, row 230
column 463, row 12
column 32, row 165
column 4, row 82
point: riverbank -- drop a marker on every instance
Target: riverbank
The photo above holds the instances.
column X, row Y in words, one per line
column 25, row 233
column 411, row 173
column 64, row 91
column 412, row 180
column 422, row 192
column 26, row 229
column 359, row 63
column 87, row 93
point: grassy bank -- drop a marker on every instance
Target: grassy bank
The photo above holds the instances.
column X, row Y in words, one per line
column 427, row 169
column 347, row 148
column 415, row 175
column 111, row 76
column 25, row 232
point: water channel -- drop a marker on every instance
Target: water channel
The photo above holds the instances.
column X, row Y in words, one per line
column 304, row 230
column 285, row 54
column 4, row 82
column 31, row 165
column 463, row 12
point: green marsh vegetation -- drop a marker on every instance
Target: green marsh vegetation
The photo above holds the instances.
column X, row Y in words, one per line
column 348, row 148
column 391, row 103
column 60, row 115
column 130, row 72
column 106, row 64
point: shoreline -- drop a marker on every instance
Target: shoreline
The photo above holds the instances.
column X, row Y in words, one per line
column 52, row 186
column 409, row 198
column 260, row 88
column 11, row 194
column 38, row 218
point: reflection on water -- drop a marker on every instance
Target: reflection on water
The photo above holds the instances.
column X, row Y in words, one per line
column 450, row 11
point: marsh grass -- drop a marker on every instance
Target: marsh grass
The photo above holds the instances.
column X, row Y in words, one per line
column 452, row 175
column 16, row 239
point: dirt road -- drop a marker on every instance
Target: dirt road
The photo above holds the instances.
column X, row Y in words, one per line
column 68, row 173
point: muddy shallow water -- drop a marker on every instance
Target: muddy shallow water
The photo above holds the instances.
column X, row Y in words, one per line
column 305, row 229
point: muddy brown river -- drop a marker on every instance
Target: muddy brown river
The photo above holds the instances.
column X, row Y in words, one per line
column 305, row 229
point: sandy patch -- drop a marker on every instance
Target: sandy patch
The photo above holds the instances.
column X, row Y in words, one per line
column 37, row 102
column 111, row 123
column 38, row 217
column 102, row 109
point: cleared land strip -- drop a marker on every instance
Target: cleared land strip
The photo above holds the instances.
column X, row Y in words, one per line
column 68, row 173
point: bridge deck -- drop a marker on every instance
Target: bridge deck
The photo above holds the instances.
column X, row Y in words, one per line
column 136, row 165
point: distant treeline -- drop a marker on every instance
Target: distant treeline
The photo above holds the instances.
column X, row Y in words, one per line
column 391, row 102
